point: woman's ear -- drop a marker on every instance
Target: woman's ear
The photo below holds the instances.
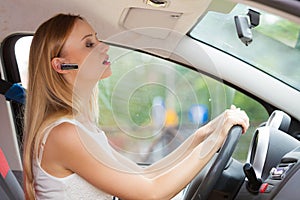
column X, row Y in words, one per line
column 56, row 65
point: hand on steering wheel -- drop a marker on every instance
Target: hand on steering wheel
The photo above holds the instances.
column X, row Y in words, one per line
column 217, row 167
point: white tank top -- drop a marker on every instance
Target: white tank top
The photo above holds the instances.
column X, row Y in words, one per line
column 71, row 187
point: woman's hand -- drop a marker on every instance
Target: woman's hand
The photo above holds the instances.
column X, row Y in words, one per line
column 212, row 135
column 229, row 118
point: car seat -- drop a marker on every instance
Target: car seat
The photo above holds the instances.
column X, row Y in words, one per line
column 10, row 189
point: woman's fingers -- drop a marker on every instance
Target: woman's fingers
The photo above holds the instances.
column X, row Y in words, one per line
column 236, row 116
column 229, row 118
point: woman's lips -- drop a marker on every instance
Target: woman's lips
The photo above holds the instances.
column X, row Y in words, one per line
column 106, row 61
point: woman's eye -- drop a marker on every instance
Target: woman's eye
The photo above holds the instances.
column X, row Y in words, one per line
column 89, row 44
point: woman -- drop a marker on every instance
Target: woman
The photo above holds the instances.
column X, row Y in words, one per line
column 65, row 155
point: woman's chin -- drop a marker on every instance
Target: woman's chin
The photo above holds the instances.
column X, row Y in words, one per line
column 107, row 73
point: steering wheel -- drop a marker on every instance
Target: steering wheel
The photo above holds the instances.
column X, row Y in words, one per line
column 216, row 169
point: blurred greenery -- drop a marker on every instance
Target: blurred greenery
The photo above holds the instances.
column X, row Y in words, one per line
column 279, row 29
column 257, row 115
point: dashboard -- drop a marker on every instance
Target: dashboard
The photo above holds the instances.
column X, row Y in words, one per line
column 273, row 162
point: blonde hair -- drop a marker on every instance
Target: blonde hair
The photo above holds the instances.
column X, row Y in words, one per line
column 49, row 96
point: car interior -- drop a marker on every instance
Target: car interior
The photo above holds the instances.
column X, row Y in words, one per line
column 180, row 60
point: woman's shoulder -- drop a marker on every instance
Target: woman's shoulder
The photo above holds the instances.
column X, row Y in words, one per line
column 55, row 119
column 60, row 132
column 60, row 147
column 64, row 129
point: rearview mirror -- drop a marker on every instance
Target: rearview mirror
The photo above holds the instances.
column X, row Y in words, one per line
column 243, row 29
column 244, row 24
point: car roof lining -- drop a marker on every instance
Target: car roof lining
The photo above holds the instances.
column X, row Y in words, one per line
column 108, row 20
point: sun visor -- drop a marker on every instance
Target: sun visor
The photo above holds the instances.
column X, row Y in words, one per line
column 152, row 23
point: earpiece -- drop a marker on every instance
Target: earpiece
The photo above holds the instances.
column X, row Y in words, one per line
column 68, row 66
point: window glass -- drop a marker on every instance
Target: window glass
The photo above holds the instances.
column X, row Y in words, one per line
column 275, row 46
column 22, row 55
column 149, row 106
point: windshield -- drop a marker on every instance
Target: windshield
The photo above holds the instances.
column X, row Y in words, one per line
column 275, row 48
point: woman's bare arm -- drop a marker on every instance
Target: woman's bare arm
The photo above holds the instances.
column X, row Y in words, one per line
column 210, row 131
column 68, row 152
column 64, row 148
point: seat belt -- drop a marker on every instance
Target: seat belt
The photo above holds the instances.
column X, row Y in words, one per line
column 5, row 189
column 12, row 91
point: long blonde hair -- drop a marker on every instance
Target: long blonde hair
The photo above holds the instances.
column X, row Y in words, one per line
column 49, row 96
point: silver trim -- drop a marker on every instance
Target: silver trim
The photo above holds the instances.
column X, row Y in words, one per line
column 261, row 140
column 276, row 119
column 261, row 150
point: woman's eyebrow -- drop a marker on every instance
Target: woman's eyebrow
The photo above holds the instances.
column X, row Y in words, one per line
column 89, row 35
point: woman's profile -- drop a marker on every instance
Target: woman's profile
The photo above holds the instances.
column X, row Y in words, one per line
column 66, row 155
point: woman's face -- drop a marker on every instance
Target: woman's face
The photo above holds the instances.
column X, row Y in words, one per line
column 82, row 47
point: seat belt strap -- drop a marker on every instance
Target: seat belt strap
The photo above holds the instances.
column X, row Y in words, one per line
column 6, row 189
column 4, row 86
